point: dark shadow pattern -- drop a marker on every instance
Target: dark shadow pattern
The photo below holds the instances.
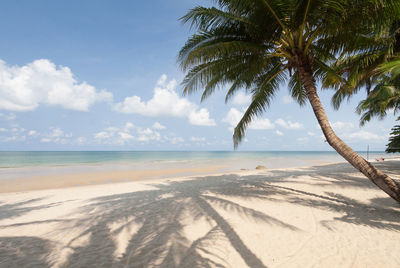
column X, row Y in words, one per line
column 8, row 211
column 160, row 216
column 20, row 251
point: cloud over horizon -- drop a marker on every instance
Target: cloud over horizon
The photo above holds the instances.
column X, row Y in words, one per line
column 42, row 82
column 234, row 115
column 289, row 125
column 166, row 103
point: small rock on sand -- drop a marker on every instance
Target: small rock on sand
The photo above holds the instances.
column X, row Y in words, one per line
column 261, row 167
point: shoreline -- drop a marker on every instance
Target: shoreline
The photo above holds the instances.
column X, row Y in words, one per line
column 106, row 177
column 73, row 180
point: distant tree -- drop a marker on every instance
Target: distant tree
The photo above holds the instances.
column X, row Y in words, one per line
column 258, row 44
column 394, row 141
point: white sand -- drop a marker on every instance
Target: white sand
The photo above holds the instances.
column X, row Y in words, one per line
column 323, row 216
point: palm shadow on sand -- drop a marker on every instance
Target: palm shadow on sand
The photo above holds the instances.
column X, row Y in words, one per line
column 155, row 220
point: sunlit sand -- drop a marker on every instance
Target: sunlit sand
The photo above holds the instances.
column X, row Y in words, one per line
column 321, row 216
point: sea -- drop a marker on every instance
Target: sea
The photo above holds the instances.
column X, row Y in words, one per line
column 20, row 164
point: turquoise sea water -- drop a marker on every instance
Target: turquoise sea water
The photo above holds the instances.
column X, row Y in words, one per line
column 65, row 158
column 27, row 164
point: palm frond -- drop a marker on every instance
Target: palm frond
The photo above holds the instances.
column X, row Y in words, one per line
column 382, row 98
column 203, row 18
column 249, row 44
column 297, row 90
column 262, row 95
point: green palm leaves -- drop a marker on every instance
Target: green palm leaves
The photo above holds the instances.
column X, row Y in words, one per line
column 258, row 45
column 375, row 67
column 384, row 97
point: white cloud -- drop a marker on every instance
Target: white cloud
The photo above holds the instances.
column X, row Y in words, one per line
column 81, row 140
column 56, row 133
column 42, row 82
column 56, row 136
column 261, row 123
column 33, row 133
column 9, row 116
column 14, row 138
column 165, row 102
column 279, row 133
column 201, row 118
column 233, row 117
column 18, row 129
column 289, row 124
column 148, row 135
column 302, row 140
column 146, row 131
column 126, row 134
column 114, row 135
column 15, row 134
column 102, row 135
column 128, row 126
column 347, row 131
column 342, row 125
column 363, row 135
column 241, row 99
column 158, row 126
column 309, row 133
column 287, row 99
column 176, row 140
column 198, row 139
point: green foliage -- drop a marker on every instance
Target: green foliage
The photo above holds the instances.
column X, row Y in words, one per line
column 394, row 141
column 374, row 67
column 257, row 45
column 384, row 97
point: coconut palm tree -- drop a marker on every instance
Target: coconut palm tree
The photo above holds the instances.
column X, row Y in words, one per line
column 383, row 98
column 376, row 68
column 257, row 44
column 364, row 69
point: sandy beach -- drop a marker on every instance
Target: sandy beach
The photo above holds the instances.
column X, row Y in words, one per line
column 320, row 216
column 29, row 183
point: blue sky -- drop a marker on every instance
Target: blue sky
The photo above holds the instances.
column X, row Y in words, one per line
column 102, row 75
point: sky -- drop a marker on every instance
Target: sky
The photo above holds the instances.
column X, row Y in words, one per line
column 103, row 75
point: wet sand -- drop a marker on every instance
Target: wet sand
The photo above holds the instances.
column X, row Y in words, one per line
column 30, row 183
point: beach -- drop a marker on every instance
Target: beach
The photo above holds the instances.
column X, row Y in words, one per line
column 318, row 216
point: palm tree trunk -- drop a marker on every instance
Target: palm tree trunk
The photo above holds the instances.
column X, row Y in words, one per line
column 383, row 181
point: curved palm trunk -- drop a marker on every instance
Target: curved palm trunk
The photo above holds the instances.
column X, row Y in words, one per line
column 383, row 181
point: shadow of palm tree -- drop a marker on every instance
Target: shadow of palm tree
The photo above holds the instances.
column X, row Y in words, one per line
column 152, row 224
column 20, row 251
column 8, row 211
column 374, row 214
column 161, row 214
column 338, row 175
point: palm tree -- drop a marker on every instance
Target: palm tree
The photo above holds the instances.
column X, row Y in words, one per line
column 383, row 98
column 257, row 44
column 364, row 69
